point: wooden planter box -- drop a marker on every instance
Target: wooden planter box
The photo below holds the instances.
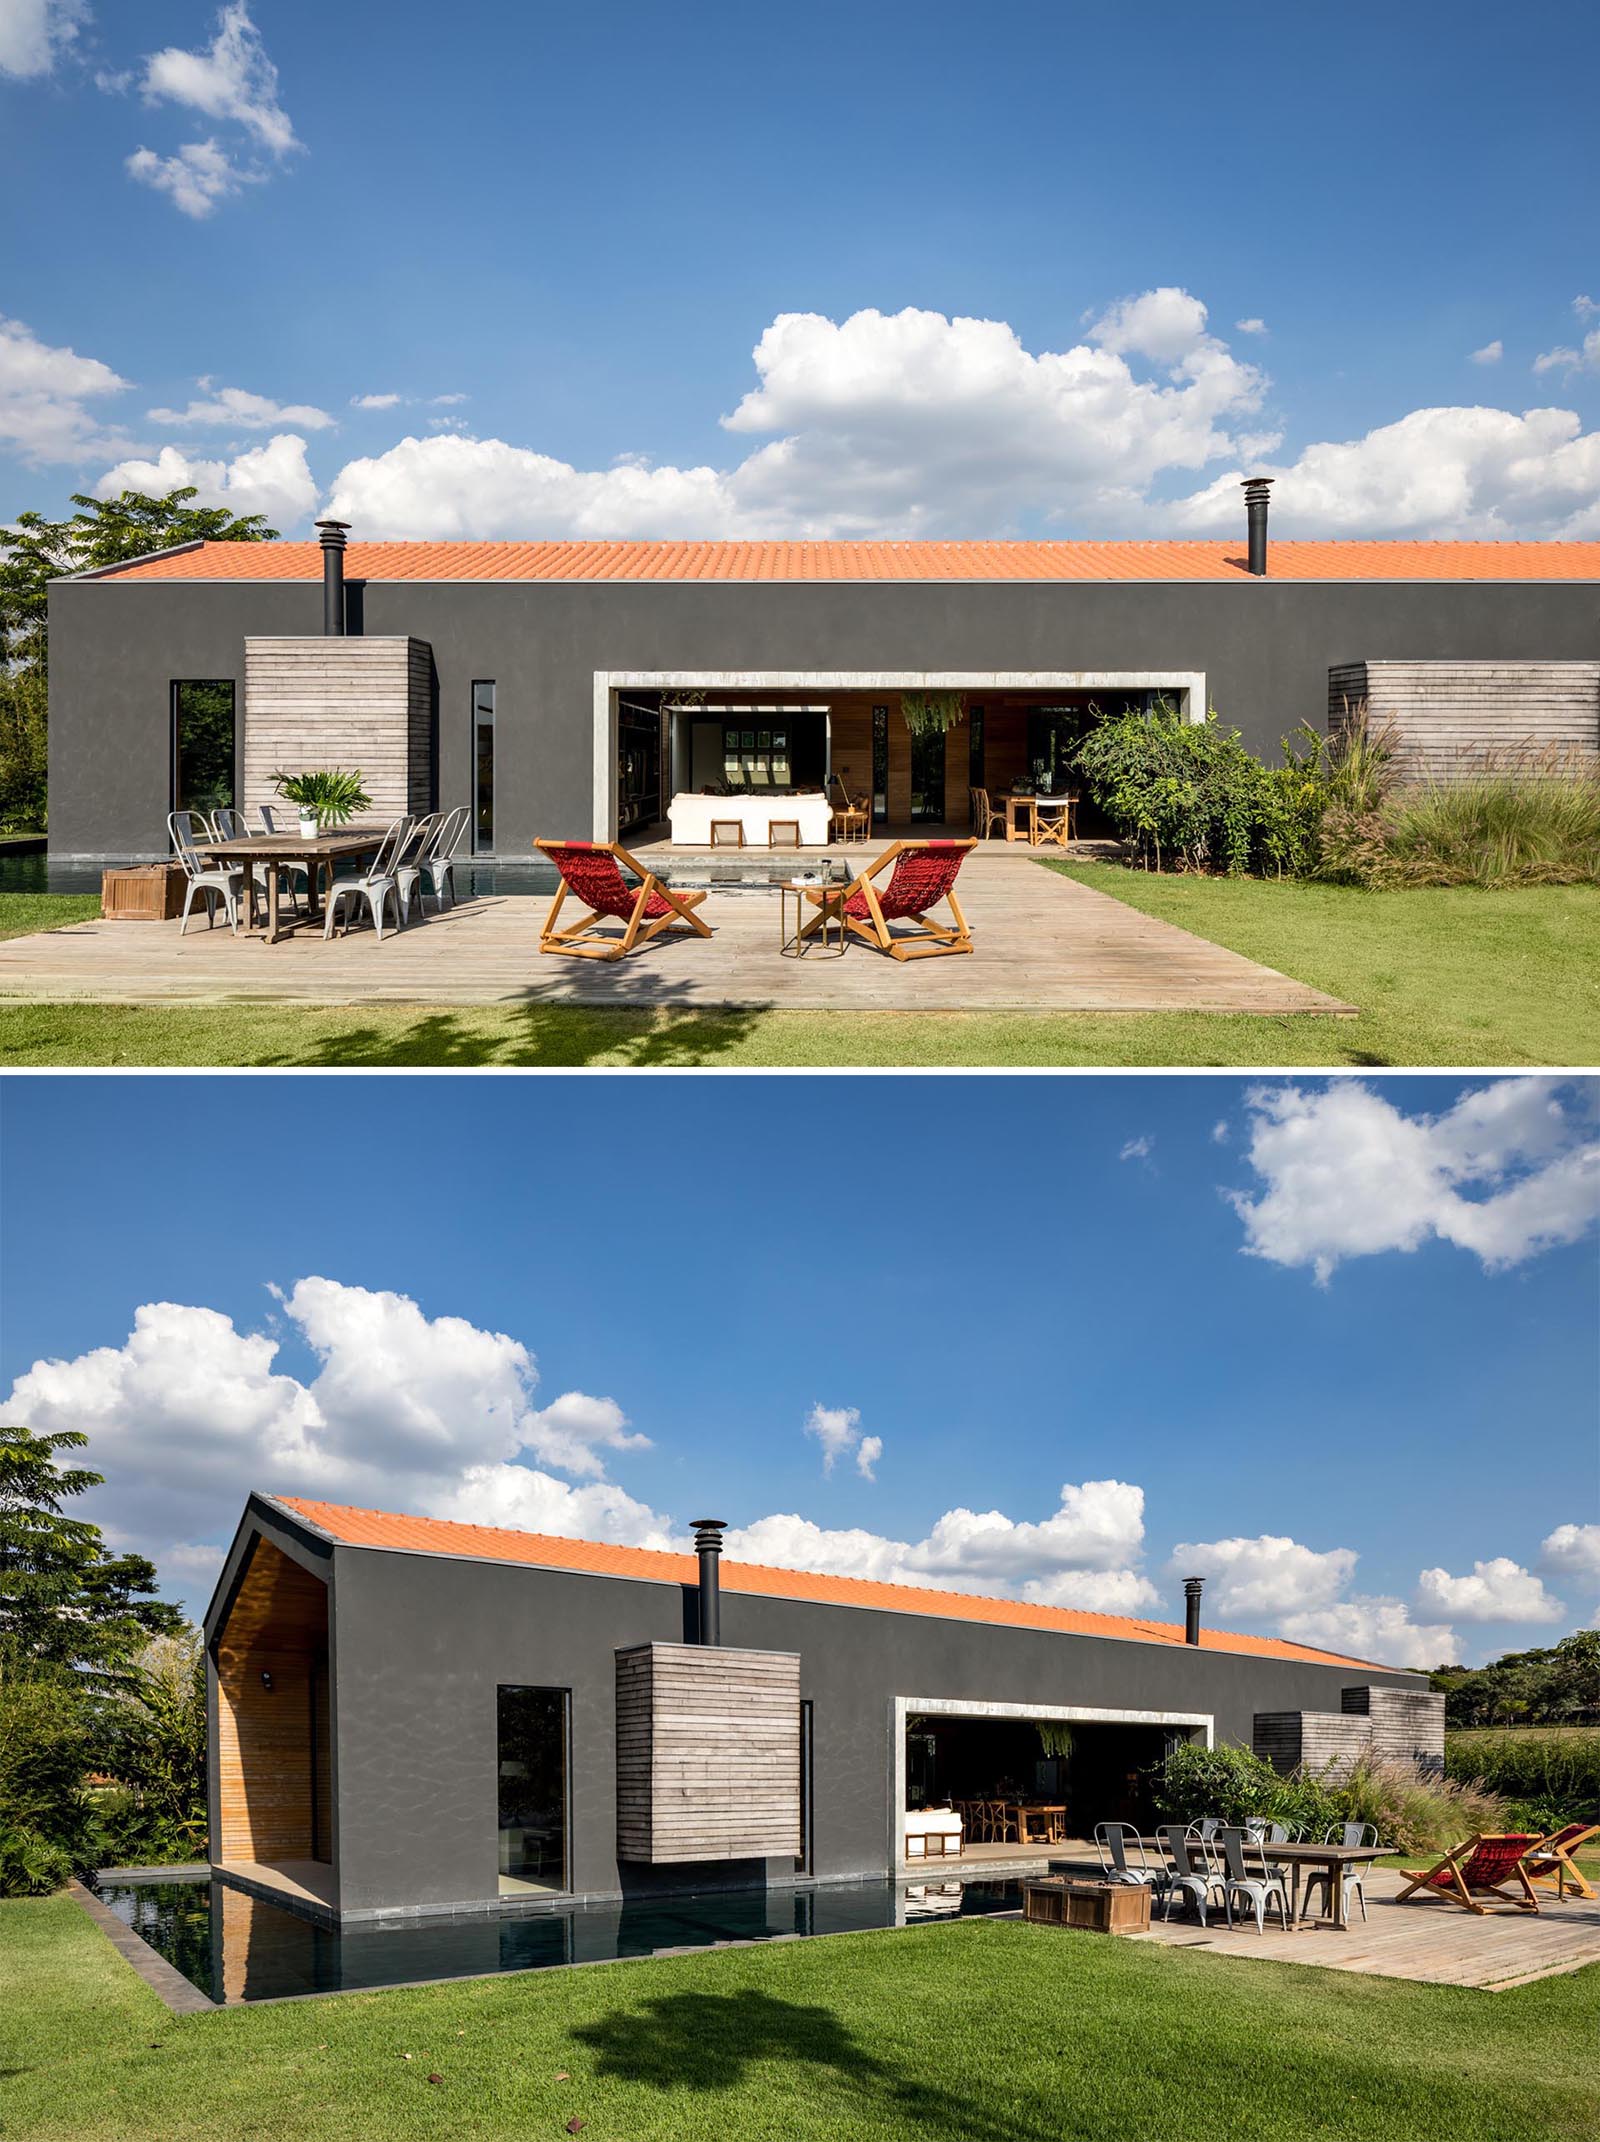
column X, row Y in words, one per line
column 1101, row 1907
column 150, row 892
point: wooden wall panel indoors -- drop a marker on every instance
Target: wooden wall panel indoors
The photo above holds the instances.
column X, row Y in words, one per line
column 268, row 1743
column 708, row 1753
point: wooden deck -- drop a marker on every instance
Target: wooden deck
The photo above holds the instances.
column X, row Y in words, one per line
column 1043, row 943
column 1436, row 1944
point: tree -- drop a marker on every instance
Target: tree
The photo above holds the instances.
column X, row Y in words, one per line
column 155, row 1746
column 103, row 531
column 33, row 552
column 68, row 1605
column 1560, row 1686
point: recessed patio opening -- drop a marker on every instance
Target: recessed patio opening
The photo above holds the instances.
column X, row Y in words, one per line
column 993, row 1784
column 274, row 1730
column 760, row 743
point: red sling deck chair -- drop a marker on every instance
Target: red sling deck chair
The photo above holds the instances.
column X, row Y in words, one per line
column 1552, row 1860
column 593, row 870
column 924, row 874
column 1484, row 1864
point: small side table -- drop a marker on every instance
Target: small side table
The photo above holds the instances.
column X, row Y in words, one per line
column 828, row 916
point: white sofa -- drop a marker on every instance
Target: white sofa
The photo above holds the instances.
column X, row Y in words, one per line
column 933, row 1833
column 690, row 818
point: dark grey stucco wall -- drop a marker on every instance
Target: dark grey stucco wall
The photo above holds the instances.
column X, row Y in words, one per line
column 1265, row 647
column 422, row 1644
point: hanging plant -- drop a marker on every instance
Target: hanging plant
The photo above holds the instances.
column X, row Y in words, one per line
column 1056, row 1741
column 932, row 713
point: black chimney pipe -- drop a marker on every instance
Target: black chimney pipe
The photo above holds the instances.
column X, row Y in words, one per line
column 708, row 1546
column 1256, row 489
column 331, row 535
column 1192, row 1588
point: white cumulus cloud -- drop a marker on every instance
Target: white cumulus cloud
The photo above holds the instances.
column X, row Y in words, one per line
column 35, row 33
column 1491, row 353
column 199, row 177
column 1572, row 1550
column 232, row 79
column 1373, row 1627
column 1496, row 1590
column 1512, row 1169
column 1569, row 357
column 868, row 1451
column 44, row 396
column 838, row 1430
column 435, row 1413
column 236, row 406
column 274, row 479
column 1266, row 1577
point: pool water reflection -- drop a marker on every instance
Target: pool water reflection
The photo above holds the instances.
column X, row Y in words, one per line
column 237, row 1947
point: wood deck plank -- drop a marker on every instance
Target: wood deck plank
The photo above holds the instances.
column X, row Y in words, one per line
column 1044, row 943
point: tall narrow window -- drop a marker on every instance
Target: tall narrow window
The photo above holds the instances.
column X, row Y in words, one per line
column 533, row 1770
column 803, row 1859
column 202, row 744
column 483, row 767
column 975, row 748
column 880, row 764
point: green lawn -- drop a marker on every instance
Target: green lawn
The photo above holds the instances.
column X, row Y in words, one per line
column 24, row 912
column 964, row 2033
column 1454, row 977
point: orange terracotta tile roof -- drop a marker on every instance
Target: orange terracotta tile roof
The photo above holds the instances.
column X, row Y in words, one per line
column 1288, row 560
column 491, row 1543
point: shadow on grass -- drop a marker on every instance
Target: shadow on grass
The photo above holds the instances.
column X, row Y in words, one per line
column 709, row 2042
column 547, row 1035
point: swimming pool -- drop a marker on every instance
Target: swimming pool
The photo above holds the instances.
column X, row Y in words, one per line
column 238, row 1947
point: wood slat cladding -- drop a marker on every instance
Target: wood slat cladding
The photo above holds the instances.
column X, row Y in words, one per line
column 1406, row 1724
column 355, row 703
column 708, row 1753
column 1449, row 715
column 1395, row 1724
column 272, row 1741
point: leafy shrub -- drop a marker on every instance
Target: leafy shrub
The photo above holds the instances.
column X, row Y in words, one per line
column 155, row 1747
column 30, row 1864
column 1412, row 1812
column 46, row 1741
column 1557, row 1770
column 1188, row 794
column 24, row 750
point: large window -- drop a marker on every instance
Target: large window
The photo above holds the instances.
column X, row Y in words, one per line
column 533, row 1767
column 483, row 767
column 202, row 744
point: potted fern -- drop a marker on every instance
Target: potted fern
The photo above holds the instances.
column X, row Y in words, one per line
column 325, row 797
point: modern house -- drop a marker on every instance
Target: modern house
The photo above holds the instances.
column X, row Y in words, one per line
column 411, row 1715
column 572, row 689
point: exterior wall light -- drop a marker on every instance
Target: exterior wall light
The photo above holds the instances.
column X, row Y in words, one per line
column 266, row 1682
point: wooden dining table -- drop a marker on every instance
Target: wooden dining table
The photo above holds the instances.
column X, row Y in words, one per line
column 276, row 849
column 1030, row 808
column 1333, row 1859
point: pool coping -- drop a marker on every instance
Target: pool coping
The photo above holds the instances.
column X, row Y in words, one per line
column 180, row 1994
column 185, row 1998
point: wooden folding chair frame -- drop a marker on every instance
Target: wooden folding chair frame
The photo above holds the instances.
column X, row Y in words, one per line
column 1551, row 1861
column 637, row 930
column 936, row 939
column 1454, row 1864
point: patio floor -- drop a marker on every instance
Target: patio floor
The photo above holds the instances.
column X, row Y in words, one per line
column 1043, row 943
column 1435, row 1943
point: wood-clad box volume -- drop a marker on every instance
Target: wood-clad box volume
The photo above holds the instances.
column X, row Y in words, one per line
column 362, row 704
column 708, row 1753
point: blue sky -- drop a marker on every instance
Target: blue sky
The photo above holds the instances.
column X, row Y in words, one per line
column 1044, row 1298
column 1047, row 270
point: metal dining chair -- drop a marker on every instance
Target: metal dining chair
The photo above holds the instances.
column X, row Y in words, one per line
column 408, row 865
column 205, row 877
column 1260, row 1885
column 438, row 860
column 377, row 885
column 1347, row 1833
column 1193, row 1876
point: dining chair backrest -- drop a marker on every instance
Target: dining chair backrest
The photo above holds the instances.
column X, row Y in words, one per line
column 387, row 860
column 183, row 829
column 1256, row 1825
column 1278, row 1833
column 1230, row 1843
column 419, row 839
column 1359, row 1833
column 1208, row 1826
column 1175, row 1842
column 449, row 833
column 1111, row 1842
column 229, row 824
column 269, row 823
